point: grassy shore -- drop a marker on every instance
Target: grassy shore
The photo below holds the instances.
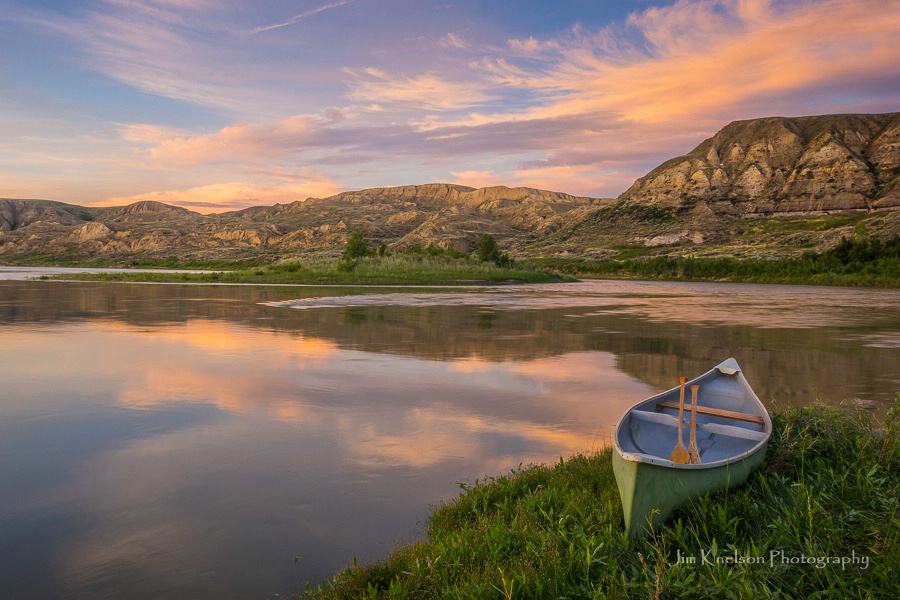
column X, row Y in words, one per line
column 820, row 519
column 401, row 269
column 853, row 262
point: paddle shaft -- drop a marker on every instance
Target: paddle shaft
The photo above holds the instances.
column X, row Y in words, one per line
column 693, row 451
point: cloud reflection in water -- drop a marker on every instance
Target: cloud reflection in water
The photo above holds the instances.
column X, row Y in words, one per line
column 214, row 444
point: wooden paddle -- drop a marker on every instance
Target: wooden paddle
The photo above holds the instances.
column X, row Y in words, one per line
column 680, row 453
column 693, row 451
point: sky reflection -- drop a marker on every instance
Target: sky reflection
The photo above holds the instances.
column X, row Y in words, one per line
column 189, row 441
column 180, row 455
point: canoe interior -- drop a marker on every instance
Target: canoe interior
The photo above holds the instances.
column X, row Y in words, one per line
column 650, row 432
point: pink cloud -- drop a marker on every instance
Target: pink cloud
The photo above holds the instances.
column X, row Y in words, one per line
column 241, row 142
column 478, row 179
column 428, row 91
column 222, row 197
column 693, row 58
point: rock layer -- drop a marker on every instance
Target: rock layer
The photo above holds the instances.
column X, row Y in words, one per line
column 784, row 167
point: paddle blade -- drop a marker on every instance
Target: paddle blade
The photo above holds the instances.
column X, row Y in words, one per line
column 693, row 453
column 679, row 454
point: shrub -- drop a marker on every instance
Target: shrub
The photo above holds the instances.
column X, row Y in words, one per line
column 357, row 246
column 487, row 250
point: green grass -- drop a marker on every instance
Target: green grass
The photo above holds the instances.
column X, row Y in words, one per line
column 401, row 269
column 753, row 229
column 643, row 213
column 827, row 493
column 869, row 263
column 864, row 262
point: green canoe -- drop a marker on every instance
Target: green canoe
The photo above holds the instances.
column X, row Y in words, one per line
column 732, row 432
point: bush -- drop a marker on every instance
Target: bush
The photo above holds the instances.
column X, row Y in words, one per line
column 487, row 250
column 357, row 246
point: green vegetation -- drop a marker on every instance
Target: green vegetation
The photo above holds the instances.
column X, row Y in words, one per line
column 487, row 250
column 357, row 246
column 853, row 262
column 359, row 265
column 371, row 270
column 828, row 493
column 139, row 262
column 859, row 261
column 642, row 213
column 753, row 229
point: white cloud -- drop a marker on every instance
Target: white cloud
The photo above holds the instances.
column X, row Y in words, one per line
column 297, row 18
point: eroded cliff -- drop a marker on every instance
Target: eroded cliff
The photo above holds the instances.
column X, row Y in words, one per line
column 784, row 166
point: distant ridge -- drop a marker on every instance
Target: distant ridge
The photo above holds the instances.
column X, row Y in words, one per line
column 441, row 214
column 763, row 187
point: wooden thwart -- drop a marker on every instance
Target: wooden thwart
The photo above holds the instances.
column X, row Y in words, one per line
column 717, row 412
column 719, row 428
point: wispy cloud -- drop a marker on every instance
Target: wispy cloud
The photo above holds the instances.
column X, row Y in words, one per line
column 301, row 16
column 584, row 111
column 379, row 90
column 246, row 143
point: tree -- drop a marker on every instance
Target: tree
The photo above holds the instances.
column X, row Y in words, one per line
column 357, row 246
column 487, row 250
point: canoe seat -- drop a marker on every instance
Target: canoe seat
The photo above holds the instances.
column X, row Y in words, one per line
column 716, row 412
column 727, row 430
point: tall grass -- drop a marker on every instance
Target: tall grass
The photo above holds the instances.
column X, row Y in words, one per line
column 853, row 262
column 819, row 519
column 400, row 269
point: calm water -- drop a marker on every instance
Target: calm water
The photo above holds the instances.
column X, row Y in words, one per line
column 167, row 441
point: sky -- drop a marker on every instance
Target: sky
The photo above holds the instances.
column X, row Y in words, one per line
column 217, row 105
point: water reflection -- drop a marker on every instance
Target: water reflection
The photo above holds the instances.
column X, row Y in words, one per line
column 189, row 442
column 197, row 459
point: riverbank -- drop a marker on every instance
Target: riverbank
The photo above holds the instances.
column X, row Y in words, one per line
column 821, row 515
column 374, row 270
column 853, row 263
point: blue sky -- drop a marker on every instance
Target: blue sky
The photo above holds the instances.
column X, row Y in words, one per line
column 222, row 104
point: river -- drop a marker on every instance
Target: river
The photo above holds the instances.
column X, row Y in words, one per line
column 231, row 442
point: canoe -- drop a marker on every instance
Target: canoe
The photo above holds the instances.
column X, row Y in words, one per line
column 732, row 432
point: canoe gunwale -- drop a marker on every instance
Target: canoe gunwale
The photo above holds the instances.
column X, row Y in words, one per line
column 728, row 367
column 664, row 462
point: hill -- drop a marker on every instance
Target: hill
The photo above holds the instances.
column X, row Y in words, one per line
column 439, row 214
column 772, row 186
column 764, row 187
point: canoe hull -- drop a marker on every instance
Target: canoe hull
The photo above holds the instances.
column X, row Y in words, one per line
column 650, row 493
column 733, row 430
